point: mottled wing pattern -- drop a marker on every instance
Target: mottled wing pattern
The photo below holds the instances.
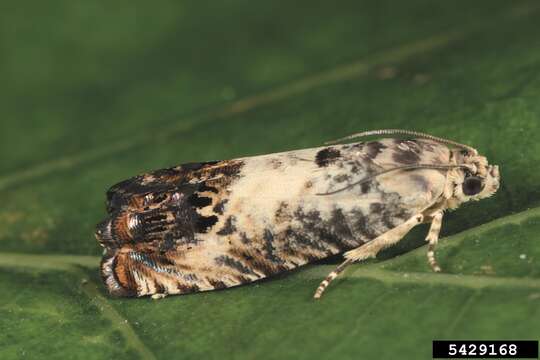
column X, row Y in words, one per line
column 153, row 224
column 213, row 225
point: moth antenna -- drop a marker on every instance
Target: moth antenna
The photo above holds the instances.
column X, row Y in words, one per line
column 404, row 167
column 405, row 132
column 334, row 274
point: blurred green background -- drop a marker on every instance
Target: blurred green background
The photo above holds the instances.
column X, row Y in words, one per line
column 95, row 92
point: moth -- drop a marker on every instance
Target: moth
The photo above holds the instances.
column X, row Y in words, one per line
column 214, row 225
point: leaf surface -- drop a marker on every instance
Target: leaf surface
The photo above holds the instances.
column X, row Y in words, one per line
column 87, row 105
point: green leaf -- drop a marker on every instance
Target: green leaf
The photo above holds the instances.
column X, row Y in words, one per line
column 95, row 93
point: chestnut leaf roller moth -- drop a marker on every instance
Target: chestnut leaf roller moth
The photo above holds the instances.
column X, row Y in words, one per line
column 214, row 225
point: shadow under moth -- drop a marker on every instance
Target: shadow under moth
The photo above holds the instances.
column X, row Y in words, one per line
column 214, row 225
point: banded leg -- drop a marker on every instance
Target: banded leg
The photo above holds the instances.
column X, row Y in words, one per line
column 370, row 249
column 432, row 238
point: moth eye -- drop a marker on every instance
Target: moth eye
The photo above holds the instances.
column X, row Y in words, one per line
column 472, row 185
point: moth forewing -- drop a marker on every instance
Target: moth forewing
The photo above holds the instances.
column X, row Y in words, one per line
column 205, row 226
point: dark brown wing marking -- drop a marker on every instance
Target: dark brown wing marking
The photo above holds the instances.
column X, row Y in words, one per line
column 133, row 192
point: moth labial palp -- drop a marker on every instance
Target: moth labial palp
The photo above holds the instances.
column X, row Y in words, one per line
column 220, row 224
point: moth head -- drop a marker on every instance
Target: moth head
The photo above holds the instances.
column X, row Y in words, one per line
column 479, row 180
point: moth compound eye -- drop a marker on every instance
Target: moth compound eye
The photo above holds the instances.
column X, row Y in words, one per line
column 472, row 185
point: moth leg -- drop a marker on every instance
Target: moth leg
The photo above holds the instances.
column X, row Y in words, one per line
column 370, row 249
column 432, row 238
column 159, row 296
